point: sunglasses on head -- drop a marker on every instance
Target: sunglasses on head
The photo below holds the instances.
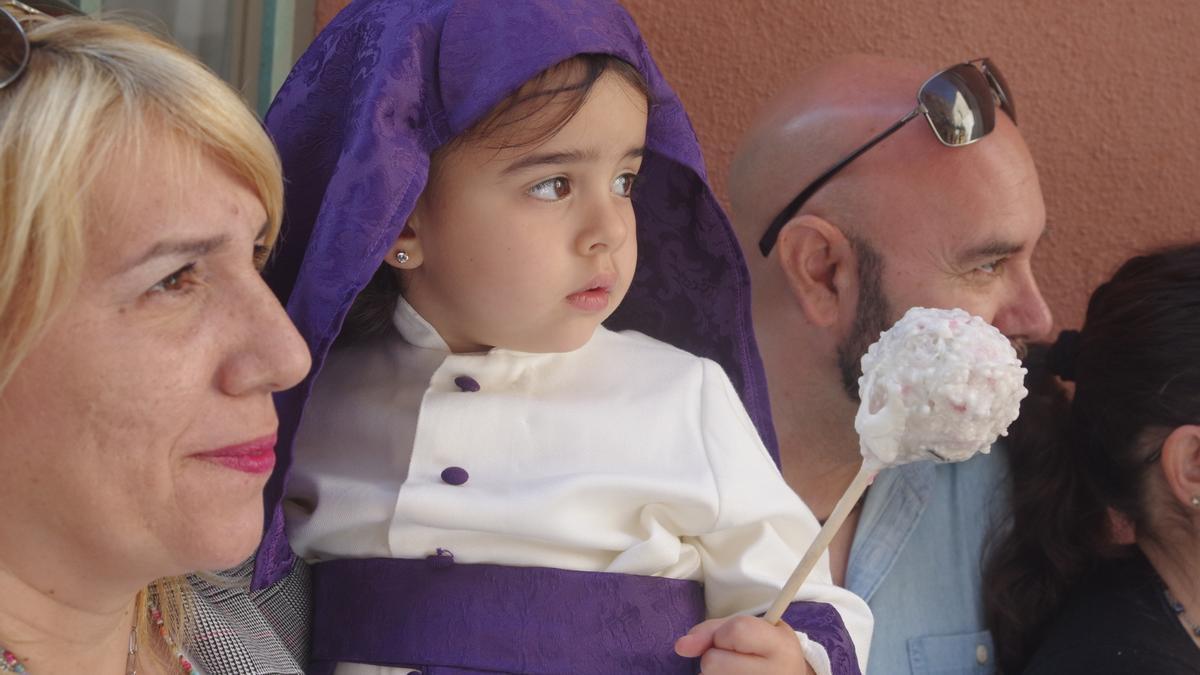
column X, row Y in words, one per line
column 14, row 43
column 960, row 105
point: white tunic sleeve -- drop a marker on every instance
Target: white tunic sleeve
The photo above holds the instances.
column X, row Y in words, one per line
column 762, row 528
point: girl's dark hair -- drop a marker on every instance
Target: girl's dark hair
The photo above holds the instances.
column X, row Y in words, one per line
column 1136, row 368
column 564, row 86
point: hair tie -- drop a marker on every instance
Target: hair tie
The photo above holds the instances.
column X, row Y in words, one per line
column 1063, row 354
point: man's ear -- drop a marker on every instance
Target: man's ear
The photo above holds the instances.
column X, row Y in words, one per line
column 1181, row 465
column 406, row 253
column 820, row 266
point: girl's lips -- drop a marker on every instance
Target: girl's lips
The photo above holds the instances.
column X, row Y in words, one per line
column 594, row 296
column 591, row 300
column 257, row 456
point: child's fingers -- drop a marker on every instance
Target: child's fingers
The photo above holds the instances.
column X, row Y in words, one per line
column 751, row 635
column 722, row 662
column 743, row 645
column 699, row 639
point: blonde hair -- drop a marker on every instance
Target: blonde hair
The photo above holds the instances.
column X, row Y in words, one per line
column 95, row 87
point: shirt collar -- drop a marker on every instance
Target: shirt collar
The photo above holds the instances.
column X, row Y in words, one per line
column 891, row 512
column 415, row 330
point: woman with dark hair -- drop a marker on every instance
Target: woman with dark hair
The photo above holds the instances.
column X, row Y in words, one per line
column 1098, row 573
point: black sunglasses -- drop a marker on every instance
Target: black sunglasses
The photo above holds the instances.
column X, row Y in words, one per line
column 960, row 104
column 14, row 43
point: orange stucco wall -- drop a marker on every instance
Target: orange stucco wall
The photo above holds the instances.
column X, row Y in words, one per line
column 1108, row 91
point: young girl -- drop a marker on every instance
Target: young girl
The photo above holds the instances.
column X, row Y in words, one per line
column 486, row 478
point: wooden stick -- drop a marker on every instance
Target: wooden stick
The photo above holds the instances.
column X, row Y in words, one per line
column 842, row 509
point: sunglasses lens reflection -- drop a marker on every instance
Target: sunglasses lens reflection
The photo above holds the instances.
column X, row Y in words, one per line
column 959, row 104
column 1000, row 85
column 14, row 49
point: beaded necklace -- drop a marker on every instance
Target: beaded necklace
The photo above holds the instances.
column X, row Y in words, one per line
column 175, row 649
column 9, row 663
column 1180, row 611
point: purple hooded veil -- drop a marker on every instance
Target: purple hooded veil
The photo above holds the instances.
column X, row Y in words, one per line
column 388, row 82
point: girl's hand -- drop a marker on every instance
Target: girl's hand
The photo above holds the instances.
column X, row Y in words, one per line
column 745, row 645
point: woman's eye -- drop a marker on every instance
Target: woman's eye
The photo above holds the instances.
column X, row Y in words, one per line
column 992, row 267
column 176, row 281
column 623, row 185
column 551, row 189
column 262, row 253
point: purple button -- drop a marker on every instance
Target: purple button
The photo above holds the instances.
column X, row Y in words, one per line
column 466, row 383
column 455, row 475
column 441, row 560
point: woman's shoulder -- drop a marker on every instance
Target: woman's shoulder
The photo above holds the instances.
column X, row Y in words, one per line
column 1117, row 623
column 233, row 630
column 1100, row 657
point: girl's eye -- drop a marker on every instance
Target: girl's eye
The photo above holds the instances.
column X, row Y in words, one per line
column 176, row 281
column 551, row 189
column 623, row 185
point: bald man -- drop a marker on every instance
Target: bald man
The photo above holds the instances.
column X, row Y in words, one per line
column 909, row 222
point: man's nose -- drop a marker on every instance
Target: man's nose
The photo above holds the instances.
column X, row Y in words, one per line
column 1026, row 317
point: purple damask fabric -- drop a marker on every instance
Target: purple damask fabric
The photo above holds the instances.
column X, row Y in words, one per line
column 388, row 82
column 519, row 619
column 531, row 620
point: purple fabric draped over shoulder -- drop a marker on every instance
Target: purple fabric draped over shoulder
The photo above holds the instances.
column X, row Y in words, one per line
column 387, row 83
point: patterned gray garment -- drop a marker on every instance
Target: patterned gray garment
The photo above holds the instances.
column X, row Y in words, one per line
column 238, row 632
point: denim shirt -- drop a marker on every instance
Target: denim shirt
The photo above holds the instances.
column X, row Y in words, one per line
column 916, row 560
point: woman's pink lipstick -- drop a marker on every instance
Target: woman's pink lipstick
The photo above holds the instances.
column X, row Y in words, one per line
column 595, row 296
column 257, row 456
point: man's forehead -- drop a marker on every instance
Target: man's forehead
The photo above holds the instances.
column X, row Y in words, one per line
column 925, row 225
column 991, row 181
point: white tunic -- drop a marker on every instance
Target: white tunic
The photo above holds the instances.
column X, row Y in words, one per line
column 627, row 455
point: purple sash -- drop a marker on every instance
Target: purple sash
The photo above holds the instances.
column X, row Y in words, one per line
column 446, row 618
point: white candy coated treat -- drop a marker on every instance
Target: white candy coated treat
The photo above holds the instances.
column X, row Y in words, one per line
column 940, row 384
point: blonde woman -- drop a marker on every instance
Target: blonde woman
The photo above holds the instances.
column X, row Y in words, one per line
column 139, row 348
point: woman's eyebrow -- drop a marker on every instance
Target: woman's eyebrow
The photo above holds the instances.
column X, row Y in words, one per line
column 564, row 157
column 180, row 248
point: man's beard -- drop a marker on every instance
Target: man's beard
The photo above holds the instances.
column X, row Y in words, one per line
column 872, row 317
